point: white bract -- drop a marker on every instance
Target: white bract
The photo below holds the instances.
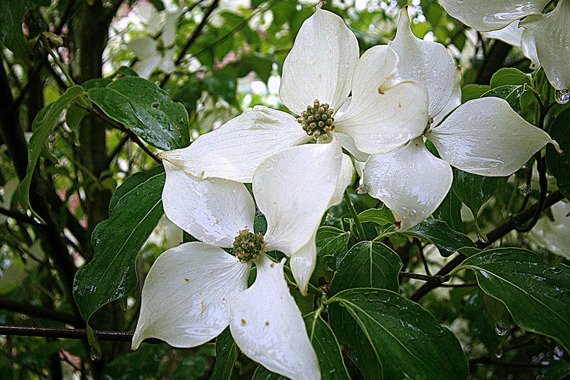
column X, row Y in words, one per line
column 319, row 73
column 483, row 136
column 194, row 291
column 551, row 31
column 555, row 233
column 156, row 51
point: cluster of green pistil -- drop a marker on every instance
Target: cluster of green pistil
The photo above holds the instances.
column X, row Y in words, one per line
column 317, row 120
column 248, row 247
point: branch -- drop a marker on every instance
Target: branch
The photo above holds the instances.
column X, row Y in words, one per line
column 35, row 311
column 116, row 336
column 492, row 236
column 195, row 34
column 19, row 217
column 507, row 364
column 493, row 61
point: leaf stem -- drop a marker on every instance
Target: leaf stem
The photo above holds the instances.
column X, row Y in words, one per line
column 361, row 235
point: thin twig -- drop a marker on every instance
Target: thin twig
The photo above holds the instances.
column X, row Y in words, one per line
column 39, row 312
column 424, row 277
column 195, row 34
column 116, row 336
column 492, row 236
column 19, row 216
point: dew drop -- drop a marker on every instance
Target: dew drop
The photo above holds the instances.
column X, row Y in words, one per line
column 501, row 329
column 94, row 355
column 499, row 353
column 562, row 96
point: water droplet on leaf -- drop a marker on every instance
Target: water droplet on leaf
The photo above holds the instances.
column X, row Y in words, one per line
column 501, row 329
column 562, row 96
column 94, row 355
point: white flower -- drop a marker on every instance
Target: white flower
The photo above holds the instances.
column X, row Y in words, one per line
column 515, row 35
column 323, row 66
column 156, row 52
column 193, row 292
column 483, row 136
column 555, row 234
column 550, row 31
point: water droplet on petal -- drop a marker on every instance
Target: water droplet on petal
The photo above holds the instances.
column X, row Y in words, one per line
column 501, row 329
column 562, row 96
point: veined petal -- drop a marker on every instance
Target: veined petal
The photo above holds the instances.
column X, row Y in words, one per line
column 552, row 35
column 486, row 137
column 303, row 263
column 267, row 326
column 384, row 113
column 320, row 64
column 143, row 47
column 212, row 210
column 348, row 143
column 234, row 150
column 517, row 36
column 454, row 100
column 186, row 293
column 491, row 14
column 293, row 189
column 146, row 66
column 410, row 180
column 426, row 62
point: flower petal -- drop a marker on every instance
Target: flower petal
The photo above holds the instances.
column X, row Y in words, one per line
column 293, row 189
column 143, row 47
column 384, row 112
column 212, row 210
column 552, row 35
column 454, row 100
column 234, row 150
column 517, row 36
column 267, row 326
column 555, row 235
column 320, row 64
column 426, row 62
column 491, row 14
column 303, row 261
column 410, row 180
column 348, row 143
column 185, row 295
column 486, row 137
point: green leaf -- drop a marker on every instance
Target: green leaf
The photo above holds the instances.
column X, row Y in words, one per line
column 146, row 109
column 536, row 295
column 449, row 211
column 509, row 76
column 11, row 35
column 381, row 216
column 327, row 348
column 473, row 91
column 439, row 233
column 559, row 164
column 44, row 123
column 368, row 265
column 473, row 190
column 331, row 245
column 262, row 373
column 511, row 93
column 135, row 209
column 391, row 337
column 226, row 355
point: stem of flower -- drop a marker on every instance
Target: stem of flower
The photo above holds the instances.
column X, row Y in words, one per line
column 359, row 229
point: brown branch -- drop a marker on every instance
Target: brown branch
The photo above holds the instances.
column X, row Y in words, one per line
column 195, row 34
column 510, row 225
column 39, row 312
column 116, row 336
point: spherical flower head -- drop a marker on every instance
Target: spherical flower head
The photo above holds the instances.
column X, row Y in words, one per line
column 318, row 119
column 248, row 246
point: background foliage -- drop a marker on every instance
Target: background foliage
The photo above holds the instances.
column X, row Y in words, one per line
column 79, row 231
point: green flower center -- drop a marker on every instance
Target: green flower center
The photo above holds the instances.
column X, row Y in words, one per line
column 248, row 246
column 317, row 120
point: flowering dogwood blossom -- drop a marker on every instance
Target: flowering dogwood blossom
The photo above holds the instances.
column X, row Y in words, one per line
column 550, row 31
column 319, row 73
column 156, row 51
column 483, row 136
column 555, row 233
column 194, row 291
